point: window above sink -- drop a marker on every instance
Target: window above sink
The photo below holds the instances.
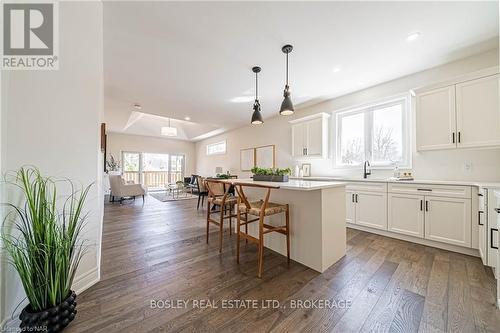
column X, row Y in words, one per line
column 378, row 133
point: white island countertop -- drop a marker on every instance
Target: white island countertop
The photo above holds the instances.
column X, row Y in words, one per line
column 294, row 184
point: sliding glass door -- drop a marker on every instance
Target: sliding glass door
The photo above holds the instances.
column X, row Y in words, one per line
column 176, row 168
column 132, row 167
column 154, row 171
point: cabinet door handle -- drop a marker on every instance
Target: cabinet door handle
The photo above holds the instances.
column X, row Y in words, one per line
column 353, row 198
column 426, row 205
column 479, row 217
column 424, row 189
column 491, row 238
column 479, row 194
column 356, row 197
column 421, row 204
column 497, row 210
column 459, row 137
column 453, row 137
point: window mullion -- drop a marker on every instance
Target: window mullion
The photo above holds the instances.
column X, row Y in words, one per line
column 368, row 134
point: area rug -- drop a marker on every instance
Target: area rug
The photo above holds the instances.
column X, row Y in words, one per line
column 165, row 196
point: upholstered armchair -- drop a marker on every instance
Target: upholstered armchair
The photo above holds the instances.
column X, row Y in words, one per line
column 122, row 190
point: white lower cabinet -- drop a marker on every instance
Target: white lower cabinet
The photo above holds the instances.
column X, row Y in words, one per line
column 493, row 224
column 448, row 220
column 406, row 214
column 350, row 211
column 482, row 224
column 371, row 209
column 441, row 213
column 366, row 205
column 483, row 238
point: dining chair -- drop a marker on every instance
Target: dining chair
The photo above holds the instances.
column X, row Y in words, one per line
column 201, row 190
column 260, row 208
column 219, row 196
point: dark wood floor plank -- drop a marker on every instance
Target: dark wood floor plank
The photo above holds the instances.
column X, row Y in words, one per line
column 158, row 251
column 460, row 317
column 361, row 306
column 436, row 302
column 407, row 318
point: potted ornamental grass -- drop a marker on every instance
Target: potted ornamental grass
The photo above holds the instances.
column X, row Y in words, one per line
column 271, row 175
column 41, row 236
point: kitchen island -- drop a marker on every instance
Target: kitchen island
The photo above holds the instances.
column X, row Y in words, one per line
column 317, row 220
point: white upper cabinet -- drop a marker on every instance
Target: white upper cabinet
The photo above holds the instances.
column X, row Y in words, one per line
column 436, row 122
column 478, row 113
column 298, row 139
column 315, row 137
column 310, row 136
column 462, row 114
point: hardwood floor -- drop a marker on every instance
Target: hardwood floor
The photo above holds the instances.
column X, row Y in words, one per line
column 158, row 252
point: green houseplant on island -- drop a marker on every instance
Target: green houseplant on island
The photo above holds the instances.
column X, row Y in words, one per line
column 271, row 175
column 41, row 236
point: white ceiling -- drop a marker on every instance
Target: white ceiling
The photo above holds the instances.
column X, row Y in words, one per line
column 193, row 58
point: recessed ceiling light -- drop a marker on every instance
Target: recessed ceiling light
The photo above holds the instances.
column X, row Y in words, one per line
column 242, row 99
column 187, row 118
column 413, row 36
column 137, row 106
column 336, row 69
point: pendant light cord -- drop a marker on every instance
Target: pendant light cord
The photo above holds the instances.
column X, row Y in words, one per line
column 287, row 69
column 256, row 86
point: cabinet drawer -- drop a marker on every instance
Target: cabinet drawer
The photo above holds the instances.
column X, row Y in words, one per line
column 450, row 191
column 366, row 187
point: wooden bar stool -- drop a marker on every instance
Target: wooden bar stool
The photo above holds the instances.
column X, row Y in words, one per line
column 261, row 208
column 218, row 195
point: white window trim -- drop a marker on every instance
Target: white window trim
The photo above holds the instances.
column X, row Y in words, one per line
column 217, row 143
column 361, row 108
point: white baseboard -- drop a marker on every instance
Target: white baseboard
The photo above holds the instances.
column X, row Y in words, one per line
column 86, row 281
column 80, row 284
column 427, row 242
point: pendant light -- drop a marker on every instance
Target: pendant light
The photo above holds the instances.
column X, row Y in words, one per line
column 287, row 105
column 256, row 116
column 169, row 131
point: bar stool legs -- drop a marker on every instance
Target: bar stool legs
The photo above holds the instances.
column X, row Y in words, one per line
column 261, row 246
column 287, row 219
column 263, row 229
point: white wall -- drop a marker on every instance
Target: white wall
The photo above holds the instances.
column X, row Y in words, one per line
column 445, row 165
column 51, row 119
column 117, row 142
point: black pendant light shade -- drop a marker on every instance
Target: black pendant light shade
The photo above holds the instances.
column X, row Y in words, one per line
column 257, row 115
column 287, row 105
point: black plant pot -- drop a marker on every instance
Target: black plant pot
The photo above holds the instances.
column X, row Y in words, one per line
column 270, row 178
column 51, row 320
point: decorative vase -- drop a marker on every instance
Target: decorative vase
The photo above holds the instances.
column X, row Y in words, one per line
column 54, row 319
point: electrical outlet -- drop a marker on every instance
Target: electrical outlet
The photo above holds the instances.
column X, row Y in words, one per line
column 467, row 166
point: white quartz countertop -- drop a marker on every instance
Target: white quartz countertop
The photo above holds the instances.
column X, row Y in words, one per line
column 294, row 184
column 416, row 181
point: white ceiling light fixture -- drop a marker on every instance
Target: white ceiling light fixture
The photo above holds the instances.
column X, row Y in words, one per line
column 187, row 118
column 169, row 131
column 336, row 69
column 413, row 36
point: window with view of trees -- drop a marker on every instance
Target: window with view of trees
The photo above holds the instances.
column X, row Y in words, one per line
column 377, row 133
